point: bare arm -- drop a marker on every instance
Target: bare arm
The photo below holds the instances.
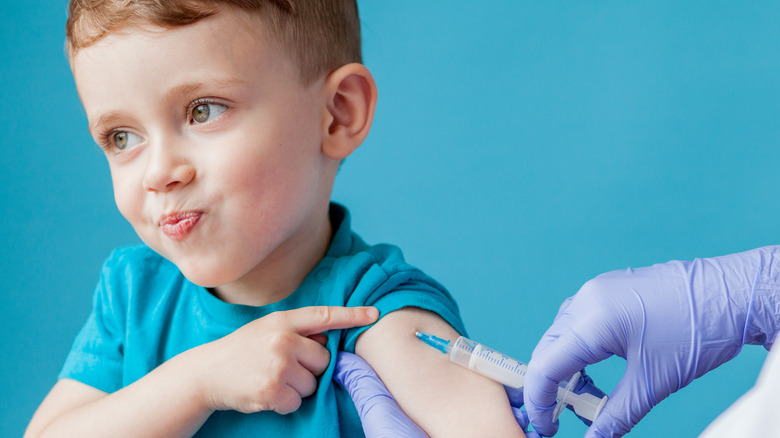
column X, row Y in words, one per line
column 268, row 364
column 160, row 404
column 444, row 399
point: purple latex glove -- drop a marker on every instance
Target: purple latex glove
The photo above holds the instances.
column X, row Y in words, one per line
column 585, row 385
column 379, row 412
column 516, row 401
column 672, row 323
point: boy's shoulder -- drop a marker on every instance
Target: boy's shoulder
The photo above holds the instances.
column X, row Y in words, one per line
column 360, row 265
column 351, row 248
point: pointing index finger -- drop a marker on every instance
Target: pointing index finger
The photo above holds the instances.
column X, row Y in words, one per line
column 308, row 321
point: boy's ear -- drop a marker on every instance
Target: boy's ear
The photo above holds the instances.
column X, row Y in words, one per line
column 351, row 101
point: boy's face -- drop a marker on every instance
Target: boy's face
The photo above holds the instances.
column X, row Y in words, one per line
column 214, row 144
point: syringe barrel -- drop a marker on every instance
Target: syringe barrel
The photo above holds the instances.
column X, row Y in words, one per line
column 488, row 362
column 511, row 372
column 577, row 391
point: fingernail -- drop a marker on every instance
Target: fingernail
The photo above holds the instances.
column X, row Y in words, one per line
column 372, row 312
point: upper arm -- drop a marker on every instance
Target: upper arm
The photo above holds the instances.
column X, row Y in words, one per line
column 441, row 397
column 65, row 396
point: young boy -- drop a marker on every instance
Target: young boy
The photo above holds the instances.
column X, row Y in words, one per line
column 224, row 123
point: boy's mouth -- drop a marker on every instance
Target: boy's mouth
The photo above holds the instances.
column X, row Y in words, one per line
column 178, row 224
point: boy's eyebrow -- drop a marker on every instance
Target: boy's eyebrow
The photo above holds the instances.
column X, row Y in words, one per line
column 103, row 119
column 194, row 87
column 185, row 89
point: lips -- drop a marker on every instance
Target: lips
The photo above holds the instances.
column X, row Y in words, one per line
column 178, row 225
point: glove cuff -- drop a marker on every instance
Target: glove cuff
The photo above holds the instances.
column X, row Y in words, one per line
column 751, row 282
column 763, row 313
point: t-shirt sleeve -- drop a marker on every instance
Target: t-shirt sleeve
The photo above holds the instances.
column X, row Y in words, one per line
column 403, row 286
column 95, row 358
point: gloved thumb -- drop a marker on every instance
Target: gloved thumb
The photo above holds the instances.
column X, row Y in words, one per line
column 379, row 413
column 624, row 408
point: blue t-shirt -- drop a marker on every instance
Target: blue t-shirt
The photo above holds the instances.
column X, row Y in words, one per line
column 145, row 312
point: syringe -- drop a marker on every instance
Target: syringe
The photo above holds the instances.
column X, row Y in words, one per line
column 511, row 372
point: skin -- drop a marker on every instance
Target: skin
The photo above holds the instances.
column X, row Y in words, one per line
column 256, row 172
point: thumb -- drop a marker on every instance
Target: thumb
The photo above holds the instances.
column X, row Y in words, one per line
column 379, row 413
column 357, row 377
column 624, row 408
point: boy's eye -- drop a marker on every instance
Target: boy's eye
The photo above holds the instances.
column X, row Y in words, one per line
column 123, row 140
column 205, row 112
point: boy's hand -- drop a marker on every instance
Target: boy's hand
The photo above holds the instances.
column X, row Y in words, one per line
column 271, row 363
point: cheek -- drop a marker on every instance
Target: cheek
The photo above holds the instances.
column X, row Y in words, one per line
column 271, row 162
column 126, row 195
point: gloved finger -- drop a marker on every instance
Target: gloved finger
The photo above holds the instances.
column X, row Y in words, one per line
column 356, row 376
column 386, row 419
column 564, row 305
column 558, row 361
column 522, row 419
column 568, row 316
column 515, row 396
column 585, row 386
column 521, row 416
column 379, row 413
column 562, row 319
column 627, row 404
column 540, row 402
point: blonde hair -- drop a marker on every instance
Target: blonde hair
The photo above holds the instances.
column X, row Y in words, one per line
column 322, row 35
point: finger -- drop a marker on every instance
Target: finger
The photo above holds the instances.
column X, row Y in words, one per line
column 539, row 398
column 563, row 320
column 350, row 368
column 380, row 414
column 319, row 338
column 359, row 379
column 559, row 360
column 521, row 416
column 288, row 400
column 312, row 356
column 302, row 380
column 317, row 319
column 515, row 396
column 624, row 408
column 541, row 390
column 564, row 306
column 345, row 363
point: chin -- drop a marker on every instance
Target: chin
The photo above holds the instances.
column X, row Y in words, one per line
column 210, row 276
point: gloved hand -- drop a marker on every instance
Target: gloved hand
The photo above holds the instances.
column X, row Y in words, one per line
column 516, row 401
column 672, row 323
column 379, row 412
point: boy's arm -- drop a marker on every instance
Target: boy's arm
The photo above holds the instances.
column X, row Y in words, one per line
column 159, row 404
column 268, row 364
column 444, row 399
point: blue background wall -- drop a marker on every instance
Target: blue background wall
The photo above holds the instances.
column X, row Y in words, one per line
column 519, row 149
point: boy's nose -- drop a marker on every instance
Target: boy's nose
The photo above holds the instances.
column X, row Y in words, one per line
column 167, row 170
